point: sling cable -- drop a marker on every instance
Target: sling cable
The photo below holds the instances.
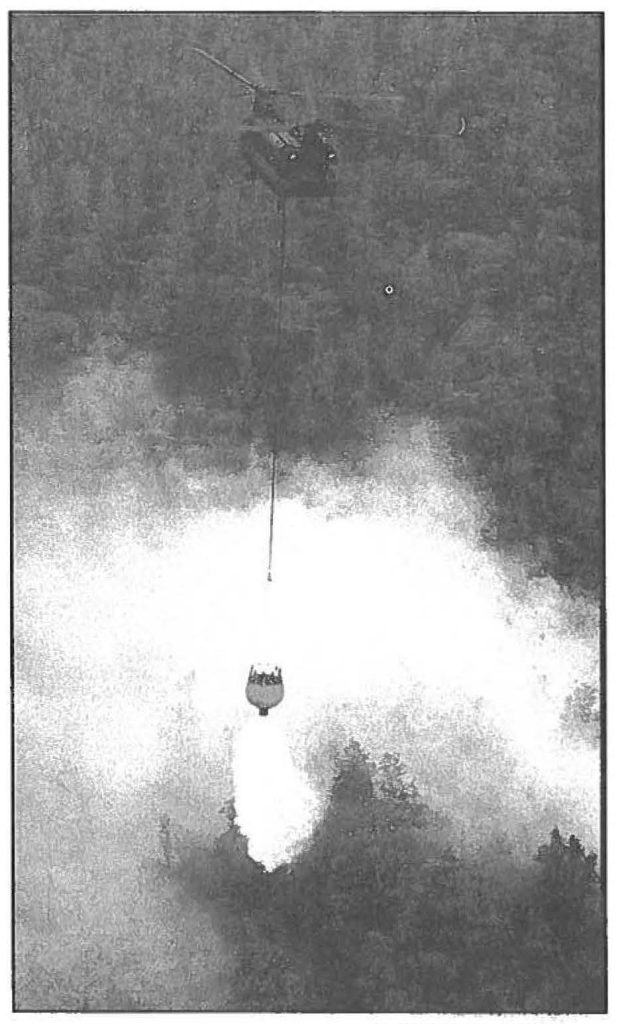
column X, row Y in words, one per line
column 264, row 688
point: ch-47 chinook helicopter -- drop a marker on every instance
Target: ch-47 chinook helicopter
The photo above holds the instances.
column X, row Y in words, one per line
column 294, row 161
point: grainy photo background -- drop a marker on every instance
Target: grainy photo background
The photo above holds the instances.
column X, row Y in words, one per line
column 417, row 827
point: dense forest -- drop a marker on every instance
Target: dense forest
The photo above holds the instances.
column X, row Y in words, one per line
column 380, row 915
column 137, row 236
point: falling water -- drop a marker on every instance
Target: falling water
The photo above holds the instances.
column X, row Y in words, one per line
column 275, row 804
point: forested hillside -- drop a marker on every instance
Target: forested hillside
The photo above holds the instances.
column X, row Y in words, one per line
column 380, row 915
column 136, row 233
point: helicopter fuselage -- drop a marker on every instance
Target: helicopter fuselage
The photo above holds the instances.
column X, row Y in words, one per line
column 293, row 162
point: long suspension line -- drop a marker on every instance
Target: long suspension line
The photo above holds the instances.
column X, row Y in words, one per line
column 273, row 477
column 275, row 433
column 281, row 273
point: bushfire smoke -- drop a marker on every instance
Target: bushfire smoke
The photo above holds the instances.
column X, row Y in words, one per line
column 388, row 613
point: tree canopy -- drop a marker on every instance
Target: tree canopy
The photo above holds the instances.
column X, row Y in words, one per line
column 378, row 913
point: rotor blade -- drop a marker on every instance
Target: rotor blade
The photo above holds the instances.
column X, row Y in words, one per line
column 359, row 97
column 230, row 71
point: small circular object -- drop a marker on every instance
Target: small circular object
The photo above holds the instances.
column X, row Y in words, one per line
column 389, row 289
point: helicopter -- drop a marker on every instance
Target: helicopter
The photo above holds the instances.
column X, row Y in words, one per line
column 296, row 161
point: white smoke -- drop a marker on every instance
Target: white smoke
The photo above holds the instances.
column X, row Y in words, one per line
column 391, row 621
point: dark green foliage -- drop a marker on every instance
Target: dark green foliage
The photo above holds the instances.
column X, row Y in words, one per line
column 130, row 201
column 565, row 927
column 581, row 717
column 569, row 877
column 379, row 915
